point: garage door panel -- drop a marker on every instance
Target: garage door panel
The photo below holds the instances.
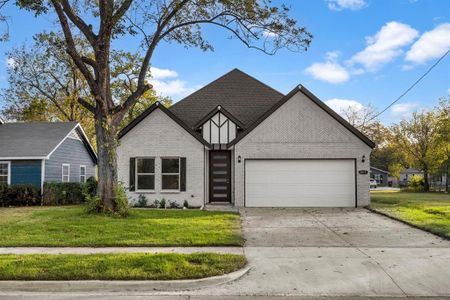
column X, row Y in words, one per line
column 300, row 183
column 306, row 189
column 304, row 178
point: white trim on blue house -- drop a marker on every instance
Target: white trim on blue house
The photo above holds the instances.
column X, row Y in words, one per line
column 42, row 176
column 9, row 170
column 68, row 172
column 24, row 158
column 84, row 175
column 62, row 141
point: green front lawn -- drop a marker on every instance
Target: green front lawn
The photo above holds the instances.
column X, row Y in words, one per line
column 71, row 226
column 129, row 266
column 430, row 211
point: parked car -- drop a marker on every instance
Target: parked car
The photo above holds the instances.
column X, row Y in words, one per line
column 373, row 184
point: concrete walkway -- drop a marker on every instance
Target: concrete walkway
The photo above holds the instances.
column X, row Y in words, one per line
column 89, row 250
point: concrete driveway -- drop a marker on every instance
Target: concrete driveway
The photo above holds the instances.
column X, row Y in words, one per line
column 338, row 252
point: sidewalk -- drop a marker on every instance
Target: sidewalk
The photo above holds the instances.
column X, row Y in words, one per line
column 90, row 250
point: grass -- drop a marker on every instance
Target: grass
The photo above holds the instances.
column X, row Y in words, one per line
column 129, row 266
column 70, row 226
column 429, row 211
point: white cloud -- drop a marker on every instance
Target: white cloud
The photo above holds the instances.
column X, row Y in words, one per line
column 166, row 83
column 269, row 34
column 432, row 44
column 339, row 5
column 176, row 89
column 10, row 62
column 157, row 73
column 330, row 71
column 342, row 105
column 448, row 91
column 384, row 46
column 403, row 110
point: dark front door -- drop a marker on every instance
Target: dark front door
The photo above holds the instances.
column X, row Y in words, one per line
column 219, row 176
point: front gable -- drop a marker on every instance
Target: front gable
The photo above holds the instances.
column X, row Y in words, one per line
column 300, row 117
column 299, row 120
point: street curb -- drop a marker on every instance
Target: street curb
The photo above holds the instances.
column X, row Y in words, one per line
column 109, row 286
column 406, row 223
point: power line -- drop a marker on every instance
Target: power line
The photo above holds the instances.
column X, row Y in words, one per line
column 413, row 85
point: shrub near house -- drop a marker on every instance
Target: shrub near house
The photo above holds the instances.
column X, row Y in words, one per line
column 19, row 195
column 54, row 193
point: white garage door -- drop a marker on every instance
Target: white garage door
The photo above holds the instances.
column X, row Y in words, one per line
column 299, row 183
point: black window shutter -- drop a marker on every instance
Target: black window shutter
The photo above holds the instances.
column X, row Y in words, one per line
column 183, row 174
column 132, row 173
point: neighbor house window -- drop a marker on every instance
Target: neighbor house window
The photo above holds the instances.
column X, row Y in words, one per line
column 170, row 174
column 82, row 174
column 378, row 178
column 145, row 174
column 4, row 172
column 65, row 173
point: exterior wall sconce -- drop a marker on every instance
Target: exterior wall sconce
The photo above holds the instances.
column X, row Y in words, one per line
column 239, row 159
column 363, row 159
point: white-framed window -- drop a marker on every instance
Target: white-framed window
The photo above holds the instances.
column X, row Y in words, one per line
column 145, row 174
column 170, row 174
column 5, row 172
column 82, row 174
column 65, row 173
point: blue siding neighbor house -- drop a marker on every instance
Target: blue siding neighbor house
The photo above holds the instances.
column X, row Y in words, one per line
column 32, row 153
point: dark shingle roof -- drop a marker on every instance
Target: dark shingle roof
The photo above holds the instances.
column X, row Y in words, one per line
column 240, row 94
column 36, row 139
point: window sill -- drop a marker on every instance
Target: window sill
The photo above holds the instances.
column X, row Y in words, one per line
column 145, row 192
column 170, row 192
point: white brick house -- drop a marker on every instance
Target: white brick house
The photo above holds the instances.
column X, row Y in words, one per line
column 240, row 142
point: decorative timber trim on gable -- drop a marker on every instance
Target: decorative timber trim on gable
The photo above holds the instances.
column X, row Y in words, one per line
column 312, row 97
column 152, row 108
column 219, row 127
column 219, row 108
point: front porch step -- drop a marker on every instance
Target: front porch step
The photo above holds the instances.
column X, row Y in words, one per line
column 221, row 207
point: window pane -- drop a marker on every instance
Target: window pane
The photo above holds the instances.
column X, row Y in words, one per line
column 65, row 170
column 146, row 165
column 170, row 165
column 3, row 180
column 82, row 171
column 3, row 169
column 170, row 182
column 146, row 182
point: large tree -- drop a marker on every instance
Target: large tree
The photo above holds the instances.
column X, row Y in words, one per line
column 257, row 24
column 416, row 140
column 443, row 139
column 44, row 83
column 365, row 120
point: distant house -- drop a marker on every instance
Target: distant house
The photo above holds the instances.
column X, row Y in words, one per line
column 407, row 174
column 381, row 176
column 31, row 153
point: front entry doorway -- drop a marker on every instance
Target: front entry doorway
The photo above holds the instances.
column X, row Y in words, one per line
column 219, row 176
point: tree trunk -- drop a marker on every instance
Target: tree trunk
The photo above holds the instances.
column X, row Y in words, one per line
column 426, row 184
column 447, row 173
column 106, row 135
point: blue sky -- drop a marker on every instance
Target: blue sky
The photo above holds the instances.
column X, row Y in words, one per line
column 363, row 52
